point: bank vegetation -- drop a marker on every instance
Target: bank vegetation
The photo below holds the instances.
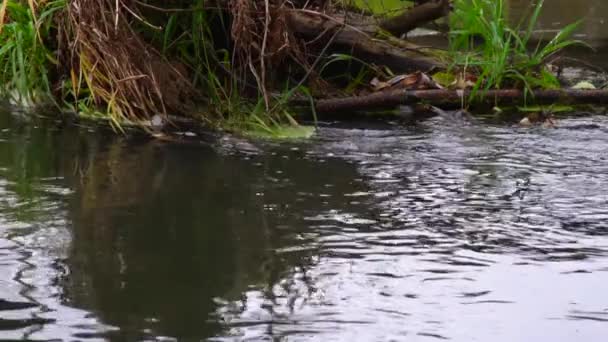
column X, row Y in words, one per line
column 258, row 65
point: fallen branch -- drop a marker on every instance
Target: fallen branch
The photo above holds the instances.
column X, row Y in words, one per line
column 358, row 43
column 416, row 16
column 450, row 98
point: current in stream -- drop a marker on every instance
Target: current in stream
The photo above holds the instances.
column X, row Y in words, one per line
column 456, row 231
column 466, row 232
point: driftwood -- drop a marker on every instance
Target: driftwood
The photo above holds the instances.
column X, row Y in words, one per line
column 452, row 98
column 417, row 16
column 360, row 43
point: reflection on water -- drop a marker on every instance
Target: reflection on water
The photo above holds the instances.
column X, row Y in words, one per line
column 556, row 14
column 161, row 233
column 440, row 231
column 142, row 237
column 559, row 13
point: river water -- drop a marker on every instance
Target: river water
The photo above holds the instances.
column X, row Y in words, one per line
column 459, row 231
column 443, row 230
column 558, row 13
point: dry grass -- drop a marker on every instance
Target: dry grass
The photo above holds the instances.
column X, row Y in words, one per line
column 262, row 40
column 109, row 63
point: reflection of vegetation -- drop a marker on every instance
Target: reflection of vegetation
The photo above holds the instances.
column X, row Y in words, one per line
column 27, row 157
column 160, row 234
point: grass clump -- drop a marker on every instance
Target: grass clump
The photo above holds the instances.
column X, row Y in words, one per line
column 130, row 60
column 25, row 60
column 222, row 59
column 500, row 53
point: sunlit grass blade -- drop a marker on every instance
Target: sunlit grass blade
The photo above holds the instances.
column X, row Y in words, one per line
column 3, row 14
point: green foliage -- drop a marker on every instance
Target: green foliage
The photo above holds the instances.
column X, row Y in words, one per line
column 358, row 75
column 284, row 132
column 24, row 59
column 444, row 78
column 379, row 6
column 186, row 39
column 190, row 37
column 499, row 51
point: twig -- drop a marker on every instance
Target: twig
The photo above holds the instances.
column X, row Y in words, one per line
column 135, row 15
column 263, row 52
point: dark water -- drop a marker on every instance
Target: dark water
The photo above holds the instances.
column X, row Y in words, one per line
column 466, row 232
column 559, row 13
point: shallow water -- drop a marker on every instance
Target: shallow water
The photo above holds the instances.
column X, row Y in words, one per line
column 558, row 13
column 455, row 231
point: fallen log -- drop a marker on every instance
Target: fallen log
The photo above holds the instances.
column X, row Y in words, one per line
column 454, row 98
column 362, row 45
column 416, row 16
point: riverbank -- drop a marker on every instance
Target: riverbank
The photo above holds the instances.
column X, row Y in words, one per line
column 255, row 66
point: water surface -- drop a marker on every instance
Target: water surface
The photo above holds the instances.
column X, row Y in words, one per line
column 458, row 231
column 443, row 230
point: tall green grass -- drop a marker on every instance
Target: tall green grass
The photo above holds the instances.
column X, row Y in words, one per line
column 24, row 58
column 500, row 52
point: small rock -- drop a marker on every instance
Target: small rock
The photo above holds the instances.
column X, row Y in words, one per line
column 157, row 121
column 525, row 122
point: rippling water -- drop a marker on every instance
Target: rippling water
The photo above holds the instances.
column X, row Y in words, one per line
column 466, row 232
